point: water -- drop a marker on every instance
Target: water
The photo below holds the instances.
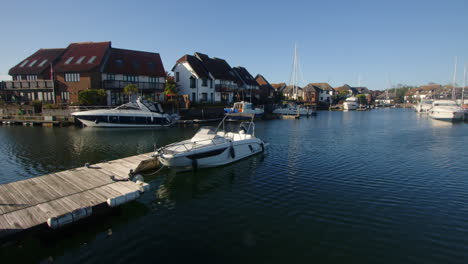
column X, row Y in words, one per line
column 385, row 186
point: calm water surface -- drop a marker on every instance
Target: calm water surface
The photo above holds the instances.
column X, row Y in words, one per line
column 385, row 186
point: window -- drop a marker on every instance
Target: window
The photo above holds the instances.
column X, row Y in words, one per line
column 212, row 98
column 80, row 60
column 211, row 83
column 31, row 77
column 32, row 63
column 177, row 77
column 69, row 60
column 204, row 97
column 91, row 60
column 193, row 97
column 18, row 77
column 153, row 79
column 131, row 78
column 110, row 76
column 65, row 96
column 119, row 63
column 72, row 77
column 42, row 63
column 204, row 82
column 193, row 82
column 24, row 63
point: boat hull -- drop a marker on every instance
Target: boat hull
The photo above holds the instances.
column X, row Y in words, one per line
column 214, row 156
column 90, row 123
column 285, row 111
column 350, row 106
column 446, row 116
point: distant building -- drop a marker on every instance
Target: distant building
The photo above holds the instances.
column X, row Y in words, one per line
column 312, row 94
column 59, row 75
column 205, row 79
column 326, row 92
column 346, row 89
column 266, row 89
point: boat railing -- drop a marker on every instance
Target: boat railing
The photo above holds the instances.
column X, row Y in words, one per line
column 194, row 144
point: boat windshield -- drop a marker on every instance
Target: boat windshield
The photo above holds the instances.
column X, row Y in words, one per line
column 128, row 106
column 426, row 102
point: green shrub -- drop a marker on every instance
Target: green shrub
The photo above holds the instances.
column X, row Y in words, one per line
column 92, row 97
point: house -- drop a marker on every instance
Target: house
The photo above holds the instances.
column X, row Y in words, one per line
column 347, row 90
column 206, row 79
column 59, row 75
column 312, row 94
column 248, row 86
column 267, row 91
column 326, row 92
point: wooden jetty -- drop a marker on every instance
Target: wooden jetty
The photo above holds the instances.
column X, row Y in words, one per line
column 61, row 198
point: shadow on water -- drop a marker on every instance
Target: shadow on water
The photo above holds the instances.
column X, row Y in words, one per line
column 46, row 244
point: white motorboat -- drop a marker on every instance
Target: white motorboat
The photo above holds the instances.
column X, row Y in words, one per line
column 424, row 106
column 291, row 108
column 211, row 147
column 242, row 111
column 446, row 110
column 141, row 113
column 351, row 103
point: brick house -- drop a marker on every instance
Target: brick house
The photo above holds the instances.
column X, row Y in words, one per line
column 58, row 75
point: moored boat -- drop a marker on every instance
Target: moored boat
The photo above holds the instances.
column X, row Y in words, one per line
column 242, row 111
column 446, row 110
column 351, row 103
column 211, row 147
column 140, row 113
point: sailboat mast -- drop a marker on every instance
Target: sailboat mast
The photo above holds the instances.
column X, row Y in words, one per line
column 295, row 72
column 463, row 88
column 454, row 78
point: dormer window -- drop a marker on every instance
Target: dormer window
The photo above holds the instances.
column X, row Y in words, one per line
column 80, row 60
column 24, row 63
column 68, row 60
column 92, row 59
column 42, row 63
column 32, row 63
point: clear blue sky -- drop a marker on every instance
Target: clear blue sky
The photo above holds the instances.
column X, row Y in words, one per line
column 414, row 42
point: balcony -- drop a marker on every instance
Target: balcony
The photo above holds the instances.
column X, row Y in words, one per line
column 29, row 85
column 111, row 84
column 226, row 88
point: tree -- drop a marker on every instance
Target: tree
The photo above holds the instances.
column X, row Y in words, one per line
column 130, row 90
column 92, row 97
column 362, row 99
column 170, row 89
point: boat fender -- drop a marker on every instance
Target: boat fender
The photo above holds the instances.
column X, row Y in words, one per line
column 232, row 152
column 194, row 164
column 96, row 121
column 116, row 201
column 61, row 220
column 251, row 149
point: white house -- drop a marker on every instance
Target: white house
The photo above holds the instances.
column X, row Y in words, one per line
column 205, row 79
column 326, row 92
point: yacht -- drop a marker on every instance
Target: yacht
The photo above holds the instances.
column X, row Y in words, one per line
column 140, row 113
column 447, row 110
column 242, row 111
column 291, row 108
column 211, row 147
column 351, row 103
column 424, row 106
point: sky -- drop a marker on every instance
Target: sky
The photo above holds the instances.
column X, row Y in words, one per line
column 381, row 43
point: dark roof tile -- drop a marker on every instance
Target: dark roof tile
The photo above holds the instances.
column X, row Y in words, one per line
column 42, row 58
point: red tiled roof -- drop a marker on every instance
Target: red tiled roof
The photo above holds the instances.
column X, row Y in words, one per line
column 42, row 58
column 78, row 57
column 195, row 64
column 131, row 62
